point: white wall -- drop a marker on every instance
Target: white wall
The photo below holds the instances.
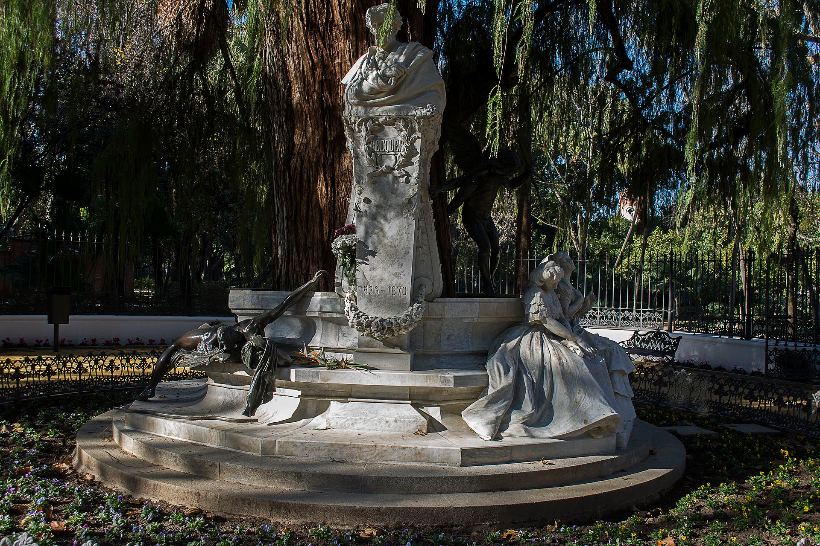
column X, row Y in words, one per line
column 729, row 353
column 101, row 327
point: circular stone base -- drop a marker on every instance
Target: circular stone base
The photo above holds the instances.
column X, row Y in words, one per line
column 223, row 467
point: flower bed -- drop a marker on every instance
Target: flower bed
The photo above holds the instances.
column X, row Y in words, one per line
column 737, row 489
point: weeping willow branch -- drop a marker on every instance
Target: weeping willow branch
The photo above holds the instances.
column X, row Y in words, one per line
column 240, row 95
column 26, row 39
column 606, row 12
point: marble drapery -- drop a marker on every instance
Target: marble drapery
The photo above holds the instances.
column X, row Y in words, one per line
column 550, row 378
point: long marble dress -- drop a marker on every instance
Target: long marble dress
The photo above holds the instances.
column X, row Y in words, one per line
column 608, row 362
column 538, row 386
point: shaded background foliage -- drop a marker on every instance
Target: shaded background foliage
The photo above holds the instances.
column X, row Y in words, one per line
column 201, row 142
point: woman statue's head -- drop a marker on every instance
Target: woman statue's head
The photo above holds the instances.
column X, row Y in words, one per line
column 374, row 18
column 547, row 275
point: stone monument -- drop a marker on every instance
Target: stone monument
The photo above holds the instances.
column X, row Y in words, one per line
column 394, row 100
column 383, row 417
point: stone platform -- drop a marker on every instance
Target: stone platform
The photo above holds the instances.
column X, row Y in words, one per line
column 454, row 333
column 191, row 446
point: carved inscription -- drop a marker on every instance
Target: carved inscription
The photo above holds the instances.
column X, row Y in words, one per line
column 388, row 146
column 379, row 290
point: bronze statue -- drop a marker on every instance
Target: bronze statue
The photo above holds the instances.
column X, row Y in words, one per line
column 477, row 191
column 241, row 342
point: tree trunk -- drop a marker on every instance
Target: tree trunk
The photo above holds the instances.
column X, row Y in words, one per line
column 746, row 261
column 306, row 58
column 637, row 297
column 733, row 285
column 523, row 223
column 791, row 269
column 22, row 206
column 157, row 265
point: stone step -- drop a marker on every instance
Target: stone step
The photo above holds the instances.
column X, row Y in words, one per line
column 455, row 446
column 98, row 454
column 374, row 477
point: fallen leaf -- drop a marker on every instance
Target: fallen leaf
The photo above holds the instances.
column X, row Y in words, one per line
column 668, row 541
column 509, row 535
column 546, row 462
column 368, row 533
column 58, row 526
column 192, row 512
column 61, row 467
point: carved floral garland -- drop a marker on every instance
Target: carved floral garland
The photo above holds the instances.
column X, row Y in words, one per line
column 382, row 328
column 344, row 248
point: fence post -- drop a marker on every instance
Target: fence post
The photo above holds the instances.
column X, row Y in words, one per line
column 18, row 391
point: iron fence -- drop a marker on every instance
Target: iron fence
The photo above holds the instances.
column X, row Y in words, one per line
column 746, row 296
column 47, row 375
column 734, row 397
column 745, row 398
column 730, row 294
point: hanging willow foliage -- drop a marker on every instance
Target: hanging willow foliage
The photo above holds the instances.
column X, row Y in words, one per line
column 495, row 104
column 26, row 33
column 386, row 28
column 719, row 96
column 716, row 100
column 753, row 104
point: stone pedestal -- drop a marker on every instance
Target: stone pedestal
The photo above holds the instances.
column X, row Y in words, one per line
column 397, row 254
column 454, row 333
column 397, row 263
column 169, row 450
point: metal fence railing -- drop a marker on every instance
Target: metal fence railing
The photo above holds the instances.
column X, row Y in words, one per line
column 745, row 398
column 48, row 375
column 728, row 294
column 775, row 297
column 735, row 397
column 32, row 264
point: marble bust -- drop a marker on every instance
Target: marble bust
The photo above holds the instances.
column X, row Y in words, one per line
column 393, row 73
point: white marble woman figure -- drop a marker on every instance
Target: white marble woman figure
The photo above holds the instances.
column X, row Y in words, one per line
column 600, row 350
column 397, row 74
column 540, row 385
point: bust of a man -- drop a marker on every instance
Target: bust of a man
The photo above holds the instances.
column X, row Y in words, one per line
column 393, row 73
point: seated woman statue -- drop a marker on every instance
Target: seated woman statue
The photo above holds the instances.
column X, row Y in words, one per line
column 539, row 383
column 600, row 351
